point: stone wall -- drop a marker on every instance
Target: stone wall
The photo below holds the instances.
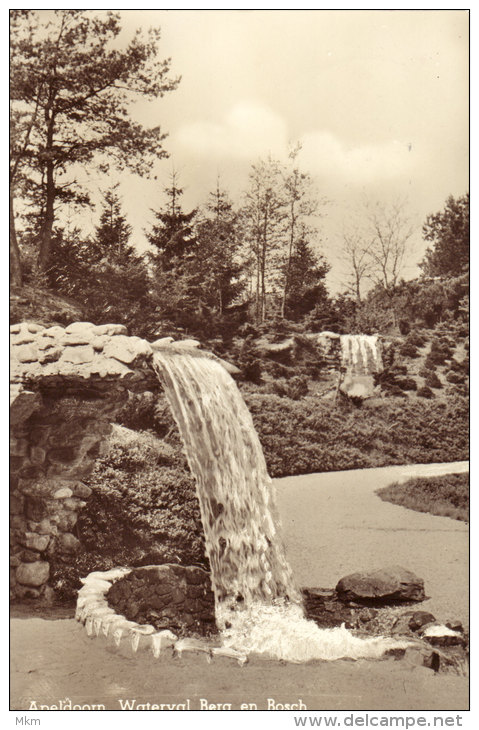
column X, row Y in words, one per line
column 67, row 385
column 167, row 596
column 52, row 450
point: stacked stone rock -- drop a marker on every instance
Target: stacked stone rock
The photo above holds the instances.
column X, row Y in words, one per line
column 329, row 345
column 67, row 384
column 168, row 596
column 326, row 344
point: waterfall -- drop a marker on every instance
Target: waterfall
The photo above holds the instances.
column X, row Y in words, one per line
column 361, row 354
column 258, row 608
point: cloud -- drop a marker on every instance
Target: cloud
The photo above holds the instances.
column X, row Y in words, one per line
column 248, row 131
column 251, row 130
column 325, row 155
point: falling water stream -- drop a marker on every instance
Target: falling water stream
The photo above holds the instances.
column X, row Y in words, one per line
column 257, row 605
column 361, row 354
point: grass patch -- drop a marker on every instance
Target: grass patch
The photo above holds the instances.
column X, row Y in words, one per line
column 446, row 496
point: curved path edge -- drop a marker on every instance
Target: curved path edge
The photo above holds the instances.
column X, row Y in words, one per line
column 335, row 524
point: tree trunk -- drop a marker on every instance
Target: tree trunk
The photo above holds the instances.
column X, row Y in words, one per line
column 258, row 278
column 47, row 228
column 15, row 259
column 263, row 283
column 288, row 265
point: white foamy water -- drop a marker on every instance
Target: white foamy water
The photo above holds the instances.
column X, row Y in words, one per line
column 282, row 632
column 258, row 607
column 361, row 354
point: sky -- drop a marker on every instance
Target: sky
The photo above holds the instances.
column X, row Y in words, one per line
column 378, row 101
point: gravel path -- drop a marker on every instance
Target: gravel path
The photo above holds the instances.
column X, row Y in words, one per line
column 335, row 524
column 54, row 660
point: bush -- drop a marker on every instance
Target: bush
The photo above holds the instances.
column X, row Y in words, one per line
column 143, row 509
column 298, row 387
column 416, row 340
column 440, row 351
column 447, row 342
column 432, row 380
column 276, row 369
column 295, row 388
column 435, row 358
column 404, row 326
column 247, row 329
column 314, row 371
column 454, row 377
column 425, row 392
column 457, row 389
column 139, row 412
column 429, row 364
column 251, row 370
column 391, row 383
column 406, row 383
column 308, row 435
column 408, row 350
column 460, row 367
column 276, row 387
column 395, row 390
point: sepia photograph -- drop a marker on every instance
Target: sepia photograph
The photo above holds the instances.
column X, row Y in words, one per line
column 239, row 364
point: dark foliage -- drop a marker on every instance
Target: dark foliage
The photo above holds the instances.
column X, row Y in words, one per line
column 408, row 350
column 416, row 339
column 404, row 326
column 392, row 381
column 452, row 376
column 440, row 351
column 295, row 388
column 432, row 380
column 460, row 367
column 425, row 392
column 308, row 435
column 448, row 231
column 406, row 383
column 143, row 510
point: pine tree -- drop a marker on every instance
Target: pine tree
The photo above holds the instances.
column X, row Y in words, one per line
column 103, row 271
column 172, row 233
column 71, row 94
column 112, row 235
column 307, row 288
column 176, row 280
column 218, row 252
column 448, row 231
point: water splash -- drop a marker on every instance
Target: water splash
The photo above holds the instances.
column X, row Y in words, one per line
column 257, row 605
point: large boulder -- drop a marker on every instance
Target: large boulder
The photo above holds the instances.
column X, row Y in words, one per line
column 274, row 348
column 384, row 585
column 33, row 574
